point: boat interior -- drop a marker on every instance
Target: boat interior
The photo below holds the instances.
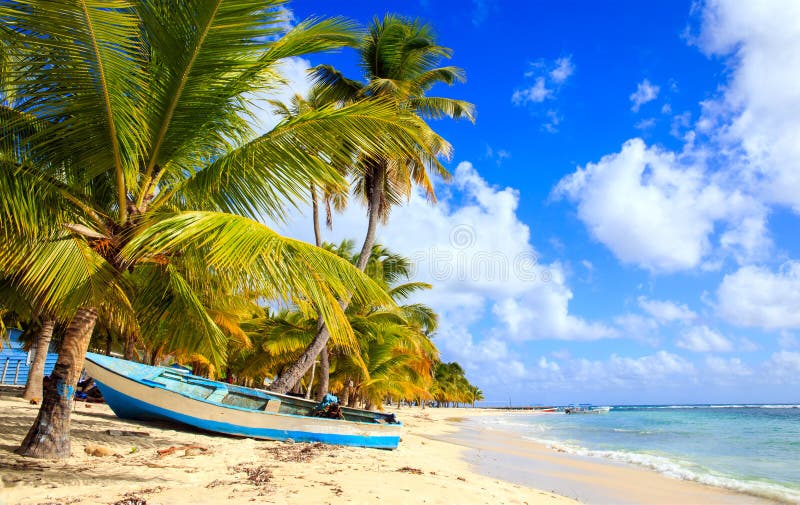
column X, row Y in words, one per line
column 252, row 399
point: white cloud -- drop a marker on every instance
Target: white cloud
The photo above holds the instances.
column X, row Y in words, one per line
column 645, row 124
column 619, row 370
column 731, row 368
column 552, row 122
column 645, row 92
column 638, row 327
column 784, row 367
column 666, row 311
column 703, row 339
column 629, row 198
column 476, row 252
column 548, row 79
column 757, row 297
column 546, row 364
column 757, row 119
column 534, row 94
column 294, row 72
column 563, row 69
column 580, row 374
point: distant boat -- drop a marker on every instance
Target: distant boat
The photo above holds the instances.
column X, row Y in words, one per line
column 585, row 408
column 137, row 391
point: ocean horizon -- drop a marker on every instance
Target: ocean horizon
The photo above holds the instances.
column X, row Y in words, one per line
column 747, row 448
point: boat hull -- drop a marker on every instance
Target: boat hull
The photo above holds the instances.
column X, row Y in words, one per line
column 134, row 398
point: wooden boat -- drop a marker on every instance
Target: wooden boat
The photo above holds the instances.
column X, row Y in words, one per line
column 137, row 391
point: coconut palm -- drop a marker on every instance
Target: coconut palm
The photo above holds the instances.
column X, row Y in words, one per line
column 331, row 196
column 126, row 151
column 393, row 355
column 400, row 59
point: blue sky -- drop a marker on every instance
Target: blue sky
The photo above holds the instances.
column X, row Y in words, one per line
column 621, row 225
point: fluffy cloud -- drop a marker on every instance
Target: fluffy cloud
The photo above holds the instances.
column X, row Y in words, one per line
column 703, row 339
column 665, row 311
column 478, row 255
column 756, row 119
column 645, row 92
column 628, row 198
column 758, row 297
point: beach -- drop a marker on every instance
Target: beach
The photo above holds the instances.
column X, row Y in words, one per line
column 441, row 459
column 212, row 469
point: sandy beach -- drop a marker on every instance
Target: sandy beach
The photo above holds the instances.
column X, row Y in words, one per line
column 217, row 469
column 441, row 459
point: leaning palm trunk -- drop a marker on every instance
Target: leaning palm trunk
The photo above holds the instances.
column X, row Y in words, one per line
column 49, row 435
column 296, row 370
column 324, row 363
column 33, row 387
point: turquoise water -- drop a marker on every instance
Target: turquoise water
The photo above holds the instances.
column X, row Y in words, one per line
column 754, row 449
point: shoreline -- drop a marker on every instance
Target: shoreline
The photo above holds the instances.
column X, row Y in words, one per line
column 444, row 453
column 210, row 469
column 588, row 479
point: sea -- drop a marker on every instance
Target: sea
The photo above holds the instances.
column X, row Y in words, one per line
column 753, row 449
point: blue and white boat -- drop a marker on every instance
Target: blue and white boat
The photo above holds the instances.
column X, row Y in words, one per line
column 586, row 408
column 137, row 391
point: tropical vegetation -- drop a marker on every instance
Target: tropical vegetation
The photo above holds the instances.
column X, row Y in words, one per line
column 135, row 193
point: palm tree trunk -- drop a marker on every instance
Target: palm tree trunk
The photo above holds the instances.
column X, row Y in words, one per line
column 296, row 370
column 324, row 374
column 324, row 365
column 130, row 346
column 49, row 435
column 109, row 342
column 315, row 215
column 33, row 387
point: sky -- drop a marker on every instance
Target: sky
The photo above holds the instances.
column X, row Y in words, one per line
column 621, row 222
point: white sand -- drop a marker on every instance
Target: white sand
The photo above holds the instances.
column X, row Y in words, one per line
column 421, row 470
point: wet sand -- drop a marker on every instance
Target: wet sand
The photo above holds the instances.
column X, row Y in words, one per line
column 511, row 457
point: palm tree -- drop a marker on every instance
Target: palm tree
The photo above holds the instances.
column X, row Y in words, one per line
column 399, row 57
column 332, row 197
column 126, row 152
column 393, row 355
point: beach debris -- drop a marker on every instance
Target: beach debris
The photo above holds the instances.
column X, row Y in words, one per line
column 99, row 451
column 131, row 499
column 188, row 450
column 256, row 475
column 408, row 469
column 461, row 479
column 217, row 482
column 297, row 453
column 126, row 433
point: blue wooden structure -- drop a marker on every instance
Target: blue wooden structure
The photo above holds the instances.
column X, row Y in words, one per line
column 137, row 391
column 15, row 362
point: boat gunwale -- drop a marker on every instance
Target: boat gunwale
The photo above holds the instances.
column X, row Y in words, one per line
column 235, row 407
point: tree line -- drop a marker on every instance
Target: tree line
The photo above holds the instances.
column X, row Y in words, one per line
column 135, row 195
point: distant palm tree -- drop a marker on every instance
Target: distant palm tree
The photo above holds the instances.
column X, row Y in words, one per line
column 399, row 57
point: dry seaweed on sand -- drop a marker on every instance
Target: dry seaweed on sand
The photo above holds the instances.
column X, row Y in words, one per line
column 298, row 453
column 131, row 499
column 408, row 469
column 256, row 475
